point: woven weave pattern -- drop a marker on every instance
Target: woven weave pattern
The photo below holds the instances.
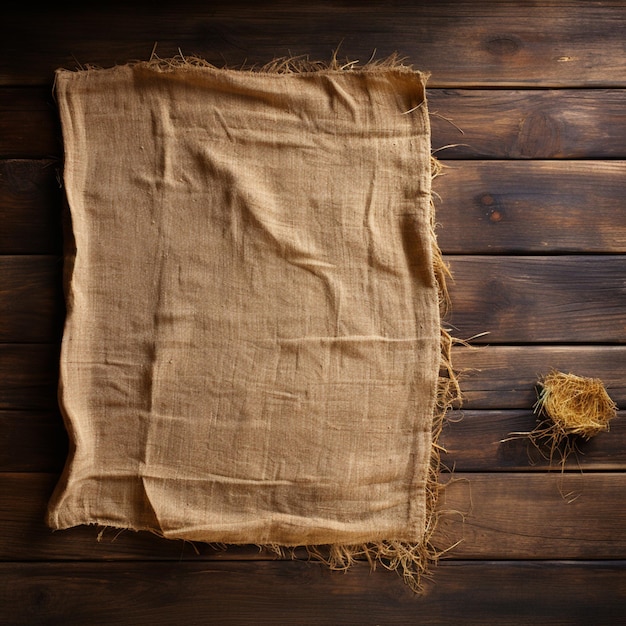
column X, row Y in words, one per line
column 252, row 347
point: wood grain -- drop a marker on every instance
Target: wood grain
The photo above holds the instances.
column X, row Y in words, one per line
column 29, row 375
column 30, row 207
column 36, row 441
column 491, row 377
column 29, row 123
column 461, row 43
column 521, row 207
column 518, row 516
column 494, row 441
column 483, row 207
column 528, row 123
column 530, row 299
column 505, row 377
column 542, row 299
column 31, row 298
column 471, row 593
column 493, row 516
column 466, row 123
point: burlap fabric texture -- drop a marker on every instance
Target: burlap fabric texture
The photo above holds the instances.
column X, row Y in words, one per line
column 253, row 341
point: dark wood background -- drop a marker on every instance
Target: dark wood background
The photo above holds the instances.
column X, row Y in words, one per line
column 528, row 103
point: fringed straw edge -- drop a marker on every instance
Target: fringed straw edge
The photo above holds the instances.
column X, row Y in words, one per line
column 299, row 64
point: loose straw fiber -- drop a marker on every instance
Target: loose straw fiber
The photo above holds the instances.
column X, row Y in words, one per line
column 569, row 408
column 576, row 405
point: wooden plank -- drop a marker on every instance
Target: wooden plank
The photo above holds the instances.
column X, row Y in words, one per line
column 567, row 299
column 483, row 207
column 473, row 123
column 31, row 298
column 504, row 593
column 520, row 516
column 492, row 377
column 461, row 43
column 531, row 207
column 505, row 377
column 29, row 375
column 30, row 207
column 573, row 299
column 36, row 441
column 528, row 124
column 477, row 441
column 29, row 123
column 493, row 515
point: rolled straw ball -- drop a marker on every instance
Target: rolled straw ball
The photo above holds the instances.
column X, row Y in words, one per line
column 576, row 405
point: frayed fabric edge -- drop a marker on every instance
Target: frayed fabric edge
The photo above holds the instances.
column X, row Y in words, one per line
column 413, row 561
column 297, row 65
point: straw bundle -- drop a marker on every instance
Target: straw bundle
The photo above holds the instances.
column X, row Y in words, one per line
column 570, row 407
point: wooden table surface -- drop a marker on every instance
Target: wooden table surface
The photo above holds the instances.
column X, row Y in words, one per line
column 528, row 103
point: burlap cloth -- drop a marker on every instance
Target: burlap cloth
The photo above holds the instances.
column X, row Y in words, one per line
column 253, row 340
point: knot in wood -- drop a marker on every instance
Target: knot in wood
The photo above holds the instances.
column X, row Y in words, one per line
column 503, row 45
